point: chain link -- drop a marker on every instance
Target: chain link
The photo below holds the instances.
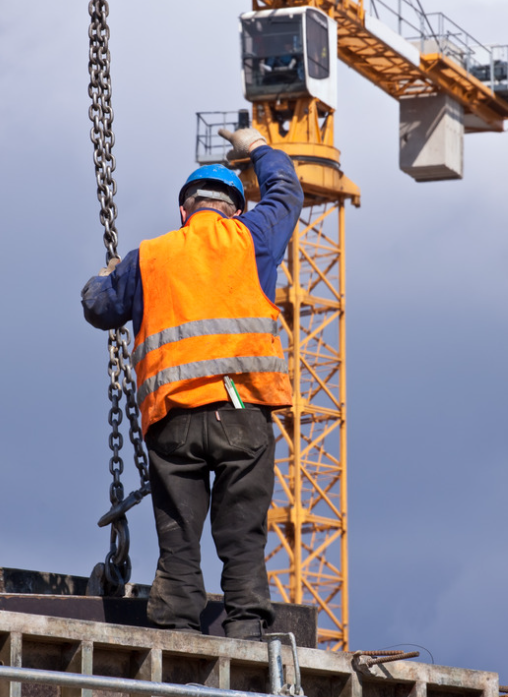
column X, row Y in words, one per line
column 116, row 571
column 117, row 567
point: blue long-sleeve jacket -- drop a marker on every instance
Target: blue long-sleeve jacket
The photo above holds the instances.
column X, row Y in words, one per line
column 111, row 301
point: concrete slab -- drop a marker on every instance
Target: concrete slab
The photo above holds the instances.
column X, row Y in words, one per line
column 98, row 648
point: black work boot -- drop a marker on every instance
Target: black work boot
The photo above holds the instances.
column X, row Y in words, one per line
column 251, row 630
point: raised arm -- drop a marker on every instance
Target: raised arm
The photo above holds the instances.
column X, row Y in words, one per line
column 274, row 218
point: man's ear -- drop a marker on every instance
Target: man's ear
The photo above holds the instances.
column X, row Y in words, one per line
column 183, row 214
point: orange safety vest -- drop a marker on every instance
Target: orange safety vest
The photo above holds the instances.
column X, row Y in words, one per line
column 205, row 316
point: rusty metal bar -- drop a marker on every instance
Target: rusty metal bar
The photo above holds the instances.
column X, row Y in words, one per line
column 125, row 685
column 378, row 653
column 388, row 659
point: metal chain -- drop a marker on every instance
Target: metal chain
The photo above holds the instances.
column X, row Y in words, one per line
column 132, row 409
column 115, row 573
column 101, row 114
column 115, row 418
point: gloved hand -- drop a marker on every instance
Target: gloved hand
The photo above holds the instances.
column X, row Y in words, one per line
column 242, row 141
column 113, row 263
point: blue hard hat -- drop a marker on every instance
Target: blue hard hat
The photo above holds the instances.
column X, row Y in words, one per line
column 216, row 173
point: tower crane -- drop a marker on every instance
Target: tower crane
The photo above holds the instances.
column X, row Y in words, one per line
column 447, row 84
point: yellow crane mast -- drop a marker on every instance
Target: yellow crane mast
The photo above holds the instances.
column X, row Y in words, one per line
column 308, row 562
column 307, row 556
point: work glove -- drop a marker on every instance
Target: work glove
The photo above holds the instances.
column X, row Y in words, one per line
column 113, row 263
column 242, row 140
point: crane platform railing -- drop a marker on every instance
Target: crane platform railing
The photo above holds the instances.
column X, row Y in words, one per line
column 435, row 32
column 211, row 148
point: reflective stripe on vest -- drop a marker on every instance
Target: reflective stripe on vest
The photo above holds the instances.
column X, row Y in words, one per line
column 205, row 327
column 219, row 366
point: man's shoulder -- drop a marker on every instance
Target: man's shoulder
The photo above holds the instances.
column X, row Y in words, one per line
column 150, row 242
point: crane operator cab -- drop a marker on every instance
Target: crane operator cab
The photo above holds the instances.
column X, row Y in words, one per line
column 288, row 54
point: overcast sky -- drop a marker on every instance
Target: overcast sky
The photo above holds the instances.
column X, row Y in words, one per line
column 427, row 337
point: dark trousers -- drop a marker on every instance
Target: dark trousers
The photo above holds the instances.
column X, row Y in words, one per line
column 185, row 447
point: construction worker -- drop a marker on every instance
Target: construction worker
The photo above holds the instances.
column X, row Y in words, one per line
column 201, row 300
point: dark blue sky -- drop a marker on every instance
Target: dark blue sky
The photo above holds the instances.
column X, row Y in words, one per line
column 427, row 324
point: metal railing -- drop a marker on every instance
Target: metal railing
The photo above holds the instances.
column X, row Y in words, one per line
column 211, row 148
column 123, row 685
column 436, row 33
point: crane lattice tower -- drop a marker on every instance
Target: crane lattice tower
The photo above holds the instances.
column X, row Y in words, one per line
column 307, row 550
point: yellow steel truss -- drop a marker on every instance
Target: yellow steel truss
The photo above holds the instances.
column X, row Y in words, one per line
column 307, row 551
column 308, row 514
